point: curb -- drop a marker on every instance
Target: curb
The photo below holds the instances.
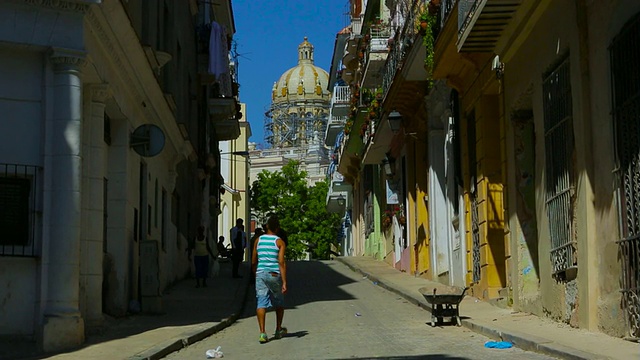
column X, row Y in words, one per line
column 520, row 340
column 160, row 351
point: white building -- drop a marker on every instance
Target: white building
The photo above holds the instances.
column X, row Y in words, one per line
column 96, row 215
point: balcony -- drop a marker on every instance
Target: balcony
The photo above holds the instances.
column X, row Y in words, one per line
column 405, row 77
column 334, row 126
column 482, row 22
column 222, row 112
column 350, row 57
column 356, row 25
column 351, row 148
column 376, row 56
column 338, row 194
column 340, row 100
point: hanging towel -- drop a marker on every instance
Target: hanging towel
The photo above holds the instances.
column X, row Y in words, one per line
column 219, row 58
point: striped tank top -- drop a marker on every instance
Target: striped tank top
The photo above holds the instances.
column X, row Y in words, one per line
column 267, row 252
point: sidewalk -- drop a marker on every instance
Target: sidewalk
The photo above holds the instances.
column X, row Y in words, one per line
column 190, row 315
column 528, row 332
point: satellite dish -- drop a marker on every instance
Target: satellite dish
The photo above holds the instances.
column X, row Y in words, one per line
column 147, row 140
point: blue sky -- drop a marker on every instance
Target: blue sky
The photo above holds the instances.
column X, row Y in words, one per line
column 268, row 34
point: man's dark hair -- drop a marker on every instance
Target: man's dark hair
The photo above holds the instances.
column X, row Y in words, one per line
column 273, row 224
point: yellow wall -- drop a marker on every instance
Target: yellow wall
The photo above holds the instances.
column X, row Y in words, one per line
column 422, row 222
column 489, row 182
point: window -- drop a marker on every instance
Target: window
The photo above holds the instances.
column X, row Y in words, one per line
column 155, row 204
column 105, row 215
column 18, row 185
column 136, row 224
column 626, row 111
column 175, row 215
column 107, row 129
column 560, row 182
column 163, row 218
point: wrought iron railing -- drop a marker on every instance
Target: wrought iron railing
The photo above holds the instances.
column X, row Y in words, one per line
column 630, row 257
column 20, row 188
column 560, row 183
column 626, row 107
column 466, row 9
column 475, row 236
column 399, row 45
column 445, row 11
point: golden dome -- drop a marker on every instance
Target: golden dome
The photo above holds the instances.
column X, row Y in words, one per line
column 305, row 81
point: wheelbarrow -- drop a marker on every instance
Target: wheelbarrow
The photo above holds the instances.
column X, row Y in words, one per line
column 444, row 305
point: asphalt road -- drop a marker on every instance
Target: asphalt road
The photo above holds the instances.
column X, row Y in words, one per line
column 334, row 313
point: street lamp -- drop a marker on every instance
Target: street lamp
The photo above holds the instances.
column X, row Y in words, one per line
column 341, row 200
column 395, row 120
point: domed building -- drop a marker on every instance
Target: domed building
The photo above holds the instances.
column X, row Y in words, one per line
column 299, row 104
column 296, row 120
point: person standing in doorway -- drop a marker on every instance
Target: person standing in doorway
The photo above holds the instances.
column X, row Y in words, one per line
column 268, row 264
column 238, row 244
column 202, row 251
column 252, row 242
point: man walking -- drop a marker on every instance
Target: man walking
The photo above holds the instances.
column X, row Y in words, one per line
column 268, row 263
column 238, row 243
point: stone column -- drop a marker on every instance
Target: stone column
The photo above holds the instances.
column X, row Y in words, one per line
column 91, row 246
column 63, row 326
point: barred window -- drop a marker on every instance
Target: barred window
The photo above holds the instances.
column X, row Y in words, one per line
column 560, row 178
column 626, row 116
column 18, row 205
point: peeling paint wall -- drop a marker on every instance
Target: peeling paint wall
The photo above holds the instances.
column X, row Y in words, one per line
column 592, row 299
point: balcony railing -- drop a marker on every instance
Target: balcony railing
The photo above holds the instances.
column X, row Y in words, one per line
column 446, row 8
column 379, row 41
column 377, row 48
column 334, row 126
column 340, row 100
column 400, row 45
column 356, row 26
column 341, row 95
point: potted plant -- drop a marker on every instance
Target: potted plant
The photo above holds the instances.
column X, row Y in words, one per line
column 428, row 19
column 424, row 21
column 385, row 221
column 434, row 6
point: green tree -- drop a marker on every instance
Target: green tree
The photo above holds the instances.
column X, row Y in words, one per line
column 300, row 208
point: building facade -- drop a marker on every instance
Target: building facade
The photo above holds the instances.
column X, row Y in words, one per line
column 500, row 161
column 103, row 145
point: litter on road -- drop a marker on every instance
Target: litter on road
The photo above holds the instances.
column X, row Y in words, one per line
column 214, row 353
column 498, row 344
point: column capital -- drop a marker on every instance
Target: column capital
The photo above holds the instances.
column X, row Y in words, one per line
column 99, row 92
column 67, row 58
